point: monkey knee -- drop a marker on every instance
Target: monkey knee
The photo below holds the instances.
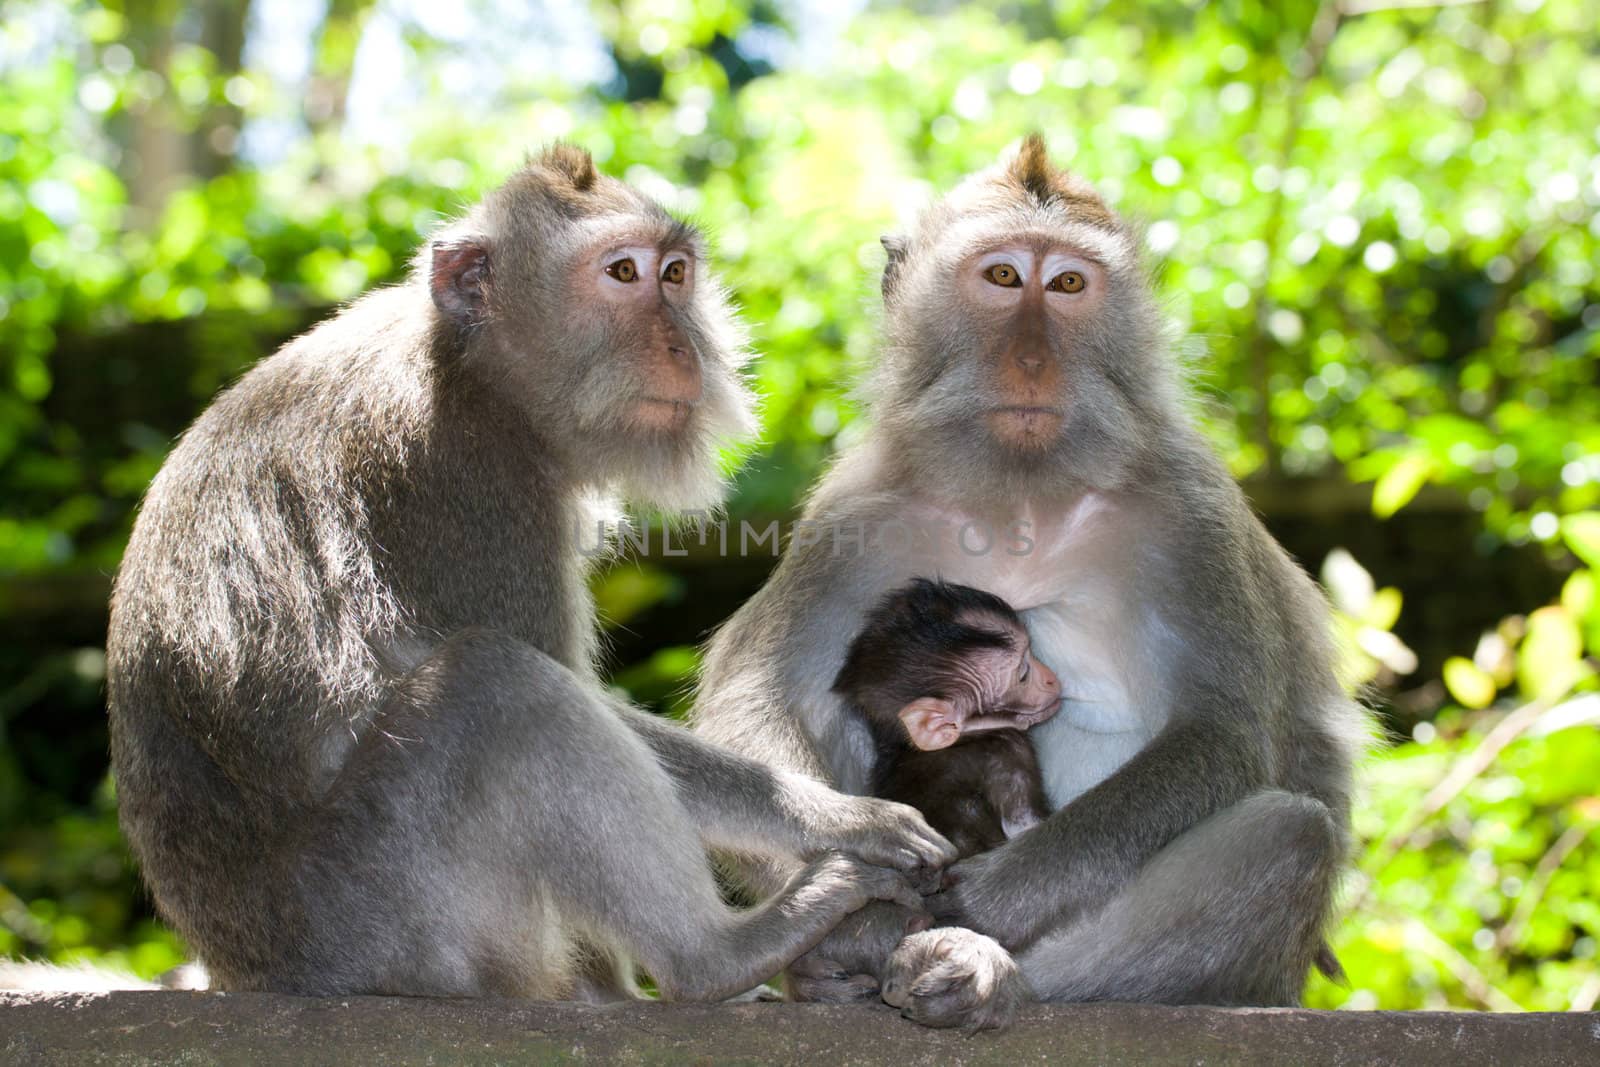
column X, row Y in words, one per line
column 1292, row 831
column 688, row 977
column 1305, row 826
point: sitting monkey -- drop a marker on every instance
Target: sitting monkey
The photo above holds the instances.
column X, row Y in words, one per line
column 360, row 740
column 946, row 678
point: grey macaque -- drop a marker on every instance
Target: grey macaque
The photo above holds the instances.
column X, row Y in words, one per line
column 359, row 741
column 1029, row 436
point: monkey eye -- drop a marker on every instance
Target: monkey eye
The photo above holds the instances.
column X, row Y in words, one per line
column 1027, row 668
column 1067, row 282
column 623, row 270
column 675, row 272
column 1003, row 275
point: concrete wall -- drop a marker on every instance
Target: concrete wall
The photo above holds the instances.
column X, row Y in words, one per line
column 229, row 1028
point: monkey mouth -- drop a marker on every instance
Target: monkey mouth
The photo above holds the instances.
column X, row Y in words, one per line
column 1035, row 716
column 1025, row 426
column 661, row 414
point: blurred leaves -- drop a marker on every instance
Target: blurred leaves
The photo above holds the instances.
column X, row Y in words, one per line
column 1489, row 903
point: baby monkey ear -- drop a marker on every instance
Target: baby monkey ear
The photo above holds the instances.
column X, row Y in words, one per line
column 458, row 278
column 931, row 723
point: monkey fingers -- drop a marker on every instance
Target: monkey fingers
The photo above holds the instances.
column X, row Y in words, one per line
column 891, row 885
column 928, row 880
column 887, row 834
column 948, row 903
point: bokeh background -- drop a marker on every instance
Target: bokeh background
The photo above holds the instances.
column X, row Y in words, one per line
column 1373, row 220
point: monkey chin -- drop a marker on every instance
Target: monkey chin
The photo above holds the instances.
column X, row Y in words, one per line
column 661, row 416
column 1025, row 429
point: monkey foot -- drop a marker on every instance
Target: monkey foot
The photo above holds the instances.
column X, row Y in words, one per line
column 952, row 977
column 817, row 979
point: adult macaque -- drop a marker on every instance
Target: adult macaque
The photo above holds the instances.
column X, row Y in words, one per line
column 359, row 743
column 1029, row 427
column 946, row 679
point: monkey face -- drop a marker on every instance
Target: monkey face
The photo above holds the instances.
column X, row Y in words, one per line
column 1034, row 692
column 1022, row 335
column 588, row 305
column 990, row 686
column 646, row 290
column 984, row 689
column 1031, row 298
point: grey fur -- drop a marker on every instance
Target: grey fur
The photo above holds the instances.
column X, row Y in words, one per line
column 1201, row 766
column 359, row 741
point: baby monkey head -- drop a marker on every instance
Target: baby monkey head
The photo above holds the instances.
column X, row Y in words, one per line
column 584, row 302
column 935, row 661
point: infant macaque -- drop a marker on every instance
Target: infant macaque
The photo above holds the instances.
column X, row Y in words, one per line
column 946, row 678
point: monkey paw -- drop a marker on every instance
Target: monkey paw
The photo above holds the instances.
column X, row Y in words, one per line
column 885, row 834
column 853, row 883
column 955, row 978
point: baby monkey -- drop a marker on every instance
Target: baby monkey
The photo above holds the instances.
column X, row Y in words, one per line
column 946, row 678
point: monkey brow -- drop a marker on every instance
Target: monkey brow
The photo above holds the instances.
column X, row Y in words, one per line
column 1093, row 242
column 680, row 232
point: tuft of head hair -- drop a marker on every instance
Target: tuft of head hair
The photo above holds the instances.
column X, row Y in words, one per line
column 569, row 162
column 1031, row 169
column 1031, row 174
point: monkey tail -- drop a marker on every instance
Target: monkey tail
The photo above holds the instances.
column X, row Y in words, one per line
column 1330, row 966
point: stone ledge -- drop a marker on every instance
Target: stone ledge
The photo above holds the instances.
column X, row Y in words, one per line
column 257, row 1028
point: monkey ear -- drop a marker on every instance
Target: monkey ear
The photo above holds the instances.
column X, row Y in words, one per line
column 895, row 245
column 458, row 278
column 931, row 723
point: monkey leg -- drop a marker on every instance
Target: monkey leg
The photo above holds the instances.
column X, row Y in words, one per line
column 497, row 815
column 1232, row 912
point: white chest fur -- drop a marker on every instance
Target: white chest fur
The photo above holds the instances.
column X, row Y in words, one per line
column 1075, row 578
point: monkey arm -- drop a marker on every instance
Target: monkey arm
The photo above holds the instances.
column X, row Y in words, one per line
column 748, row 807
column 1085, row 853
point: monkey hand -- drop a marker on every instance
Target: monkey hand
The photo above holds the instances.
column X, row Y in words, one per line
column 984, row 893
column 882, row 833
column 846, row 966
column 955, row 978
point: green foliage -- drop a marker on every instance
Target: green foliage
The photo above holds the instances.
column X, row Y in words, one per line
column 82, row 902
column 1378, row 231
column 1488, row 902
